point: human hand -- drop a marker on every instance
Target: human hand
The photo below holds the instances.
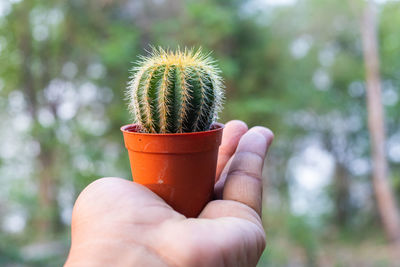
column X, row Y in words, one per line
column 116, row 222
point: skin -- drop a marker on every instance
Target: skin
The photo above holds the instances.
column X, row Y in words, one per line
column 116, row 222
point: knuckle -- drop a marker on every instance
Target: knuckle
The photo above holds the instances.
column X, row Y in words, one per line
column 245, row 173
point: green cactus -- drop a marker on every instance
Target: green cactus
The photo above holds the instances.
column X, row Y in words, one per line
column 175, row 92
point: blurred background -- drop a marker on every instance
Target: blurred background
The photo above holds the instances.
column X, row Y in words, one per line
column 307, row 69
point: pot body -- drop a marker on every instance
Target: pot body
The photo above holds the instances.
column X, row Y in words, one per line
column 180, row 168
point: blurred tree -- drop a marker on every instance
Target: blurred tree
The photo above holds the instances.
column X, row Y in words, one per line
column 383, row 191
column 297, row 68
column 46, row 216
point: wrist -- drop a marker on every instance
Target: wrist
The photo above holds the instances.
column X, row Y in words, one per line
column 111, row 253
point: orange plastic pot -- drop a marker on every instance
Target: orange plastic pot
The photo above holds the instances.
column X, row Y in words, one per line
column 178, row 167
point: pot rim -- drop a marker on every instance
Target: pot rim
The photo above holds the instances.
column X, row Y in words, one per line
column 218, row 126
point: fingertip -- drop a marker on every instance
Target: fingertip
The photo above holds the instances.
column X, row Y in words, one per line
column 267, row 133
column 238, row 125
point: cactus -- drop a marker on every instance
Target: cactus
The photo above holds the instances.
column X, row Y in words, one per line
column 175, row 91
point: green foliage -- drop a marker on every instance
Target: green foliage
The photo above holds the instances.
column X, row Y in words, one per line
column 64, row 67
column 175, row 92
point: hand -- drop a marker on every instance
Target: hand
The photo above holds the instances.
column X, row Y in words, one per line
column 116, row 222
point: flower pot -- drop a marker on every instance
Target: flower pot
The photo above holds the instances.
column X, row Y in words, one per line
column 178, row 167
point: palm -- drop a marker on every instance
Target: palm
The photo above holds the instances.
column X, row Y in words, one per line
column 131, row 221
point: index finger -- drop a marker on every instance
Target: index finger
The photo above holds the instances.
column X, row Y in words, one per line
column 243, row 182
column 230, row 138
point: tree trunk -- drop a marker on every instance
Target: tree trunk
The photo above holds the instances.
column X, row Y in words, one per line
column 383, row 192
column 46, row 213
column 341, row 195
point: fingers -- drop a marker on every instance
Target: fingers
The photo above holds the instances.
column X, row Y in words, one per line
column 232, row 133
column 243, row 182
column 228, row 208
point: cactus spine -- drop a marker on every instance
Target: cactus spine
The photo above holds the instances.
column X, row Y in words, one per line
column 175, row 92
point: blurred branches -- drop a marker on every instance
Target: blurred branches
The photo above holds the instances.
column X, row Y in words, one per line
column 296, row 68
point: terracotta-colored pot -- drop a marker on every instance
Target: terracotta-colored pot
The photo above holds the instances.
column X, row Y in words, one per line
column 179, row 167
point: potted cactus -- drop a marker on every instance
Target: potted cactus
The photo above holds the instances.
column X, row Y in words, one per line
column 175, row 97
